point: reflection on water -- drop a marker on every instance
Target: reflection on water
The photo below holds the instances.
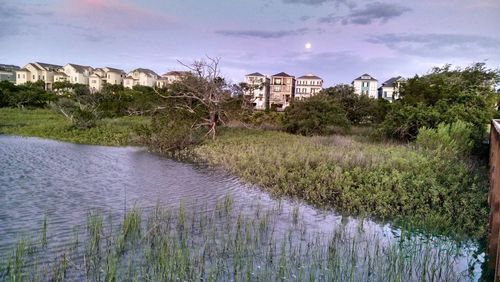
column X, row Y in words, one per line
column 67, row 180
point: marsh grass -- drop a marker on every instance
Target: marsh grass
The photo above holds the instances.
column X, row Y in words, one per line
column 46, row 123
column 419, row 188
column 224, row 244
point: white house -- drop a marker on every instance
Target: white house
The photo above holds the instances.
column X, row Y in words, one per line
column 101, row 76
column 170, row 77
column 140, row 76
column 307, row 86
column 366, row 85
column 258, row 90
column 390, row 88
column 77, row 73
column 34, row 72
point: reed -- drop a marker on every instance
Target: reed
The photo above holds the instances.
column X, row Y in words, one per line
column 265, row 244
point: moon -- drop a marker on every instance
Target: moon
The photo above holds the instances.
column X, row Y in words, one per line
column 308, row 45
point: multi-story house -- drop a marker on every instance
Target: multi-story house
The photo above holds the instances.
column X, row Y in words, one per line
column 8, row 72
column 307, row 86
column 144, row 77
column 282, row 90
column 257, row 89
column 34, row 72
column 170, row 77
column 366, row 85
column 78, row 74
column 390, row 89
column 108, row 75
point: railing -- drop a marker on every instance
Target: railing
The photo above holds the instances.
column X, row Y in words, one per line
column 494, row 198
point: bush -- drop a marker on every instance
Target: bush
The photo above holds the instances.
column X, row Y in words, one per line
column 317, row 115
column 452, row 138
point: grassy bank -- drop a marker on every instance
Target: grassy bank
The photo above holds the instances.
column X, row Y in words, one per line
column 416, row 187
column 45, row 123
column 223, row 244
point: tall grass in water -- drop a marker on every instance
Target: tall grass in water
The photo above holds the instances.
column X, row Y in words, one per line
column 390, row 181
column 225, row 244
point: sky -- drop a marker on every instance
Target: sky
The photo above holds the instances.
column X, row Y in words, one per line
column 347, row 38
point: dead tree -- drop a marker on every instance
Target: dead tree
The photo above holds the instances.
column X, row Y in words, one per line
column 205, row 87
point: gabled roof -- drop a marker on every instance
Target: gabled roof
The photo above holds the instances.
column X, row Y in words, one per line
column 309, row 76
column 129, row 77
column 146, row 71
column 391, row 81
column 255, row 74
column 283, row 74
column 368, row 77
column 24, row 69
column 177, row 73
column 114, row 70
column 95, row 74
column 60, row 73
column 80, row 68
column 48, row 67
column 9, row 67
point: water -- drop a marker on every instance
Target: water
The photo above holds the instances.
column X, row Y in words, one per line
column 67, row 180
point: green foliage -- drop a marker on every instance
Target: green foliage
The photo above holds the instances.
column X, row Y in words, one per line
column 437, row 192
column 265, row 119
column 452, row 138
column 315, row 115
column 45, row 123
column 444, row 96
column 29, row 95
column 360, row 109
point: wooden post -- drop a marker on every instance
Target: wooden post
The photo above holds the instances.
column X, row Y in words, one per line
column 494, row 197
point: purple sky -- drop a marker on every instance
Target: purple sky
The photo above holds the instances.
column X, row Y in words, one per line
column 348, row 37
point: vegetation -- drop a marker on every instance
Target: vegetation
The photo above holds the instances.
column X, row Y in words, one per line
column 225, row 245
column 438, row 192
column 46, row 123
column 445, row 95
column 316, row 115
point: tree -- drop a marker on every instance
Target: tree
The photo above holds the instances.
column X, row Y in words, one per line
column 317, row 115
column 202, row 94
column 444, row 95
column 360, row 109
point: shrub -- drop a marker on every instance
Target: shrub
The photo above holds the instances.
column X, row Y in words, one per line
column 452, row 138
column 315, row 116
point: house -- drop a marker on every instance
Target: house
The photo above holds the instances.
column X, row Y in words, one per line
column 77, row 74
column 257, row 90
column 8, row 72
column 101, row 76
column 60, row 76
column 307, row 86
column 366, row 85
column 34, row 72
column 170, row 77
column 282, row 90
column 140, row 76
column 390, row 89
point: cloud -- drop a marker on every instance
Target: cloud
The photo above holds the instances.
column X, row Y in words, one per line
column 348, row 3
column 440, row 45
column 265, row 34
column 114, row 13
column 372, row 12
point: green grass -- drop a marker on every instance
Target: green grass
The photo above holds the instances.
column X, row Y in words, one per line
column 398, row 182
column 222, row 244
column 46, row 123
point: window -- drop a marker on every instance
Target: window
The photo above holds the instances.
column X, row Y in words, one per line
column 33, row 77
column 94, row 81
column 277, row 81
column 277, row 88
column 18, row 75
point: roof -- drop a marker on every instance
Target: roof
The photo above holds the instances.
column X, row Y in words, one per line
column 60, row 73
column 146, row 71
column 80, row 68
column 129, row 77
column 49, row 67
column 177, row 73
column 366, row 75
column 255, row 74
column 114, row 70
column 95, row 74
column 9, row 67
column 283, row 74
column 309, row 76
column 391, row 81
column 24, row 69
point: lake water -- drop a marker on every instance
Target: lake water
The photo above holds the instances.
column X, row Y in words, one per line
column 66, row 181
